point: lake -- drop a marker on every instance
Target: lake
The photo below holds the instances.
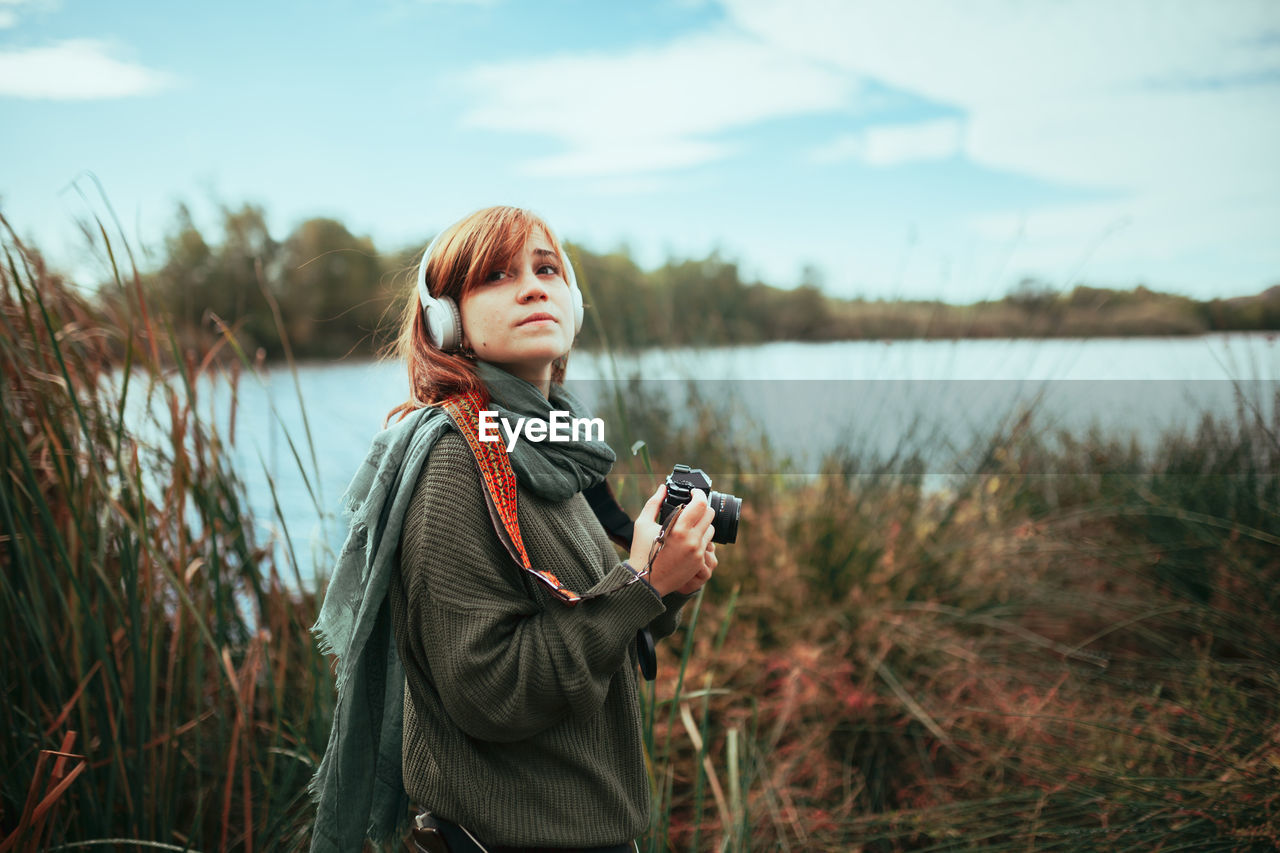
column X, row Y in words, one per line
column 936, row 397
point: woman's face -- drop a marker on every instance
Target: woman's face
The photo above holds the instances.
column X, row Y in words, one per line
column 521, row 319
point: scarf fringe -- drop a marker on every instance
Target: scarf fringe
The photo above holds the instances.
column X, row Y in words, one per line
column 363, row 569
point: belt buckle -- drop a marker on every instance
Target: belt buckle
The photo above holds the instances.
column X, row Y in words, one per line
column 426, row 835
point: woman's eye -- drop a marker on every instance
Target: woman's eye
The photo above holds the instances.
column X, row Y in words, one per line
column 496, row 275
column 548, row 269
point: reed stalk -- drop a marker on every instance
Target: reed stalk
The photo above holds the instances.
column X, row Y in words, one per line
column 1075, row 647
column 152, row 652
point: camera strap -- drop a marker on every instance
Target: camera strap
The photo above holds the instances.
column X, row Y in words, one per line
column 500, row 494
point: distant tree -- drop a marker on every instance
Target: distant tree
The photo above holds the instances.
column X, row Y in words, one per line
column 199, row 281
column 801, row 315
column 333, row 290
column 1033, row 296
column 332, row 293
column 811, row 276
column 183, row 283
column 248, row 265
column 619, row 299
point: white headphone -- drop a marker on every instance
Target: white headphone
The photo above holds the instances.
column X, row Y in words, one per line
column 443, row 319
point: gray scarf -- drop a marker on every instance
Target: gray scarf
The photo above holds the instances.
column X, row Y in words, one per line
column 359, row 788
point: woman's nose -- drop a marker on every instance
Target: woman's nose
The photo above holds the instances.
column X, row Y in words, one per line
column 531, row 289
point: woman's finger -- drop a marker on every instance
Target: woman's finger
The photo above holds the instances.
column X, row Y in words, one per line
column 695, row 512
column 696, row 582
column 650, row 511
column 708, row 514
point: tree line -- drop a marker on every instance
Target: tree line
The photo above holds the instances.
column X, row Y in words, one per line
column 328, row 293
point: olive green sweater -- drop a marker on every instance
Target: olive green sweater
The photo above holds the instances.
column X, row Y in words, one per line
column 521, row 714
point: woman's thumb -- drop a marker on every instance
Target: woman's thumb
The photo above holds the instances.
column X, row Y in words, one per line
column 650, row 510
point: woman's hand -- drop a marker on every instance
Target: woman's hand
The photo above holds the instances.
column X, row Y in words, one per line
column 709, row 563
column 687, row 558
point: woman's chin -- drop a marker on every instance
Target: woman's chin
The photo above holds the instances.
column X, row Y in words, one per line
column 544, row 355
column 528, row 364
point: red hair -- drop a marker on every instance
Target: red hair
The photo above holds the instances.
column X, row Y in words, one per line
column 464, row 255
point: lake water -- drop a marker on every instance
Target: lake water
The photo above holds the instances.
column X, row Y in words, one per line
column 937, row 396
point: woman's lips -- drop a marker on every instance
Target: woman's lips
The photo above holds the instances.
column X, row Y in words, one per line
column 540, row 317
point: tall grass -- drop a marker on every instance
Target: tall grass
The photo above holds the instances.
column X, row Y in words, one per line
column 161, row 689
column 1075, row 648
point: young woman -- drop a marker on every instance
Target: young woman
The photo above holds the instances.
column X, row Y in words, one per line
column 521, row 722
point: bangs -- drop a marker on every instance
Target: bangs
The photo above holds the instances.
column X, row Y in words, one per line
column 463, row 256
column 495, row 241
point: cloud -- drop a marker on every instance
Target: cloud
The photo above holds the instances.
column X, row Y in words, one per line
column 894, row 144
column 1092, row 93
column 1176, row 117
column 626, row 157
column 1084, row 92
column 78, row 69
column 652, row 109
column 9, row 18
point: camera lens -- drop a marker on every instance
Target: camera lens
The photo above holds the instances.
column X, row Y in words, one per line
column 727, row 509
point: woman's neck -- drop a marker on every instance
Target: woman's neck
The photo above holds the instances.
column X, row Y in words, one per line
column 538, row 379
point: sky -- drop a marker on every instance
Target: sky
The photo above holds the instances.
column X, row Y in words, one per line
column 898, row 149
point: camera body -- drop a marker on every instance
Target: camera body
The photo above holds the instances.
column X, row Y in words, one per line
column 680, row 485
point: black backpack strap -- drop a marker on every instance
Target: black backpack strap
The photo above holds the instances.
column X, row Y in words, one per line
column 612, row 517
column 620, row 529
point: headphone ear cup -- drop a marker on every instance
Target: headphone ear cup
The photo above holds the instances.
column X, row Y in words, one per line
column 571, row 278
column 441, row 316
column 578, row 310
column 444, row 323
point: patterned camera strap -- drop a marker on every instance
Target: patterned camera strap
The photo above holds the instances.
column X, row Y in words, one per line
column 500, row 490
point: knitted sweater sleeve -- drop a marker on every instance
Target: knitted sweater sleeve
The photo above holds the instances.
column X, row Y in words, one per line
column 506, row 662
column 667, row 622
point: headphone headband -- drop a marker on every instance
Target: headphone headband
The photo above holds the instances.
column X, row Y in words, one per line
column 424, row 295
